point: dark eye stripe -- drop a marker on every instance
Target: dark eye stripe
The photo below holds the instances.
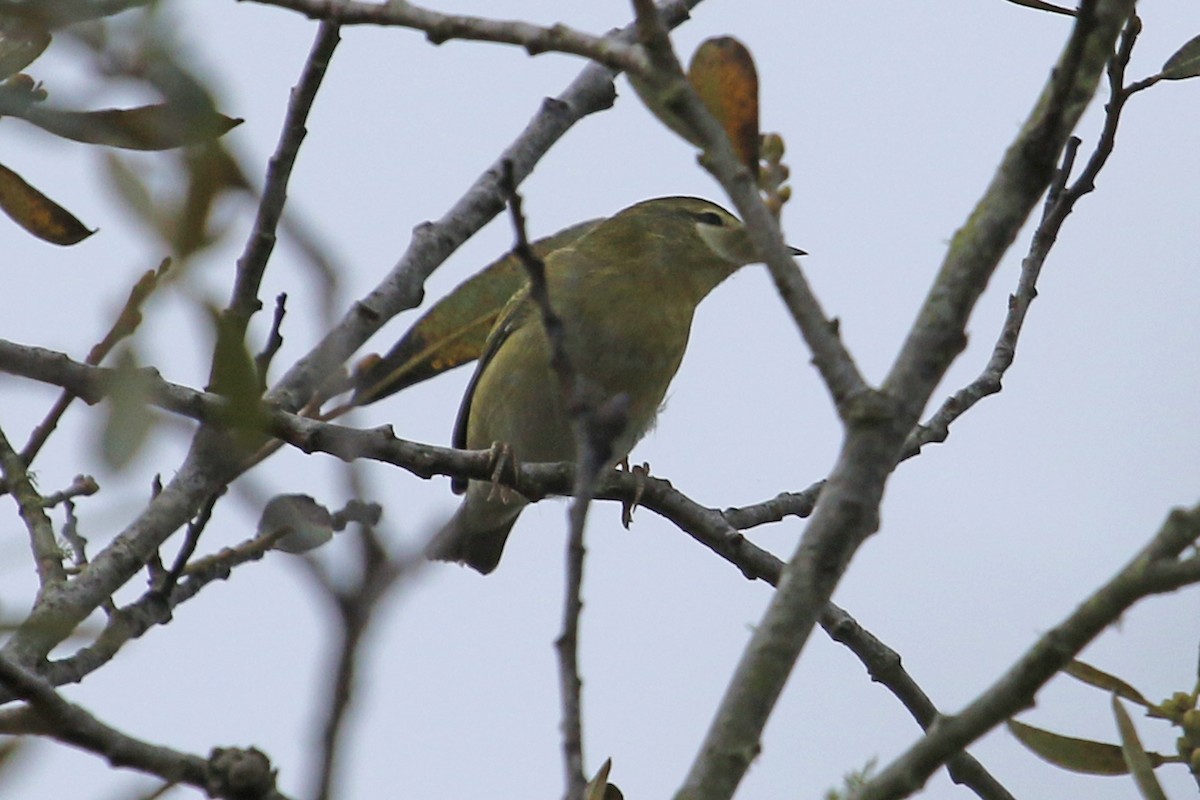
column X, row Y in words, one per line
column 710, row 218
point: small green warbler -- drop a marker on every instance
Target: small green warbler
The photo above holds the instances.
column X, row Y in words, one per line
column 626, row 292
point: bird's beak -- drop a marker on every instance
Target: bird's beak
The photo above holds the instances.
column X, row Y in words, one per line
column 796, row 251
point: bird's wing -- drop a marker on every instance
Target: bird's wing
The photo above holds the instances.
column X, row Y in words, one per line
column 514, row 314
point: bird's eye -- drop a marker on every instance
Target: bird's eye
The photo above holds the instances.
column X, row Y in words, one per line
column 710, row 218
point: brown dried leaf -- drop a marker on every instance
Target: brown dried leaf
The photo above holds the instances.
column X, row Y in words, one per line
column 723, row 74
column 453, row 331
column 37, row 213
column 21, row 41
column 156, row 127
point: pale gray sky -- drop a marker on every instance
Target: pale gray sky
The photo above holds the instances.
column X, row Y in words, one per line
column 895, row 114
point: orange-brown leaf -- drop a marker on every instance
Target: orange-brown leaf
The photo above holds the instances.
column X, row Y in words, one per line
column 37, row 213
column 723, row 74
column 157, row 127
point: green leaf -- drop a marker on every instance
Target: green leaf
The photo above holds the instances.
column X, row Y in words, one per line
column 298, row 523
column 126, row 182
column 1102, row 680
column 1185, row 63
column 157, row 127
column 1077, row 755
column 235, row 377
column 453, row 331
column 37, row 213
column 127, row 424
column 1136, row 757
column 21, row 41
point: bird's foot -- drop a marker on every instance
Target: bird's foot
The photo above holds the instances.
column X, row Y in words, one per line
column 640, row 472
column 502, row 459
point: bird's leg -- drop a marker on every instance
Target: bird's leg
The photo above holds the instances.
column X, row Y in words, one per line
column 502, row 456
column 640, row 472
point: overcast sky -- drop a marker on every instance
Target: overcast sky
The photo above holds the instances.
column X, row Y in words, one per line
column 896, row 115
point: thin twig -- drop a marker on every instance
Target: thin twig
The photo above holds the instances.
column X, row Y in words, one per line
column 667, row 92
column 583, row 407
column 1060, row 202
column 714, row 529
column 244, row 301
column 82, row 486
column 262, row 361
column 126, row 323
column 379, row 572
column 154, row 607
column 878, row 422
column 190, row 540
column 607, row 50
column 74, row 725
column 47, row 554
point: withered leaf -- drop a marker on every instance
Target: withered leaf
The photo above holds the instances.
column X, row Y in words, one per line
column 723, row 74
column 37, row 213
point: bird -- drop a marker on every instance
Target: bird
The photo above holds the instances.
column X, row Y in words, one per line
column 626, row 292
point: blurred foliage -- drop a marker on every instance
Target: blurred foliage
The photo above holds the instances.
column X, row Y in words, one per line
column 128, row 422
column 852, row 782
column 185, row 120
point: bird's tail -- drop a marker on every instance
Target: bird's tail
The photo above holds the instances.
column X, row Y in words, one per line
column 474, row 538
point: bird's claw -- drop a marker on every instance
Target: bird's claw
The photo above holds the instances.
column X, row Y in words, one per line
column 502, row 457
column 640, row 473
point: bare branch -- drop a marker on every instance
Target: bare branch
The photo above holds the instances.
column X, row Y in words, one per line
column 46, row 552
column 355, row 608
column 244, row 301
column 585, row 409
column 714, row 529
column 1060, row 202
column 73, row 725
column 1154, row 570
column 190, row 540
column 879, row 422
column 154, row 607
column 82, row 486
column 610, row 51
